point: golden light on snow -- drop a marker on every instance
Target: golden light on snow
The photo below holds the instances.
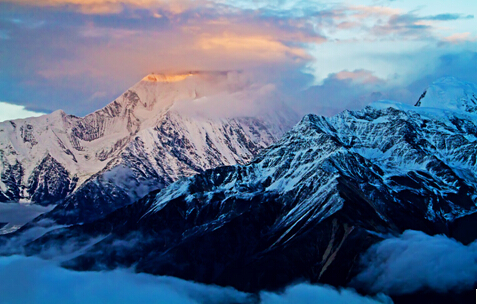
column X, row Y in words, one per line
column 167, row 78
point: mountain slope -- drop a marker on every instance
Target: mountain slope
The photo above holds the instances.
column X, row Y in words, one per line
column 144, row 140
column 304, row 208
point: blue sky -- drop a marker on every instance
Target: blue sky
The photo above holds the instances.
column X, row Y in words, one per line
column 323, row 56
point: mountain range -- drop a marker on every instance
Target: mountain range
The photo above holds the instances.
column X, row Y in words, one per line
column 305, row 208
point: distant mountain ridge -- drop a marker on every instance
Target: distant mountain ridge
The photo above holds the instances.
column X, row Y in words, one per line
column 138, row 143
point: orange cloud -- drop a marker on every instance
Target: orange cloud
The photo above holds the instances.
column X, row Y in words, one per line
column 141, row 53
column 256, row 46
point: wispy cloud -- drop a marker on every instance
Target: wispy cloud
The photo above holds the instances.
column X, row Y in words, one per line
column 381, row 22
column 460, row 38
column 447, row 17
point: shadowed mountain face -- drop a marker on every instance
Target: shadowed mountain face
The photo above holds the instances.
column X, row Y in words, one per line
column 305, row 208
column 144, row 140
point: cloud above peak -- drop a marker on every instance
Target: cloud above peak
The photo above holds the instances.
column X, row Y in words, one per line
column 252, row 47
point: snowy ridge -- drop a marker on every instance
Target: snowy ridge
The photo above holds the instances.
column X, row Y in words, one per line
column 395, row 148
column 140, row 136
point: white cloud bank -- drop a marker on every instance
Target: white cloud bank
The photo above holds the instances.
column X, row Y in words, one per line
column 416, row 261
column 315, row 294
column 32, row 280
column 12, row 112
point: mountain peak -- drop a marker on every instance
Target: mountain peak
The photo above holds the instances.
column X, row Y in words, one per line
column 450, row 80
column 58, row 112
column 450, row 93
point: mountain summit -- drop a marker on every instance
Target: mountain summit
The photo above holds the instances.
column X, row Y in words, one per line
column 450, row 93
column 163, row 128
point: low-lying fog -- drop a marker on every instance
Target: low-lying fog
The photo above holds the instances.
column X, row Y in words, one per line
column 17, row 214
column 33, row 280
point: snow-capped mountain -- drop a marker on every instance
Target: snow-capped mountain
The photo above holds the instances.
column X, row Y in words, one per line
column 451, row 94
column 306, row 207
column 147, row 138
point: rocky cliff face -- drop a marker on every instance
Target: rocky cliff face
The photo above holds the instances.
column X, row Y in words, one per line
column 140, row 142
column 306, row 207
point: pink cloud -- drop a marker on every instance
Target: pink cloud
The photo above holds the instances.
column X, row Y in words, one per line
column 358, row 76
column 460, row 38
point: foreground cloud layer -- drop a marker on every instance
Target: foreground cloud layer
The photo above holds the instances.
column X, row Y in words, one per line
column 415, row 261
column 32, row 280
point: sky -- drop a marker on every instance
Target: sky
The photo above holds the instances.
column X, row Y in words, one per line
column 321, row 56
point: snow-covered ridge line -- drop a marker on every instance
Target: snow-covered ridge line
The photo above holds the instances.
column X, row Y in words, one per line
column 135, row 144
column 436, row 148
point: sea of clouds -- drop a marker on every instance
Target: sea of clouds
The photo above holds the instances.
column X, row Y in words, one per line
column 405, row 264
column 416, row 261
column 33, row 280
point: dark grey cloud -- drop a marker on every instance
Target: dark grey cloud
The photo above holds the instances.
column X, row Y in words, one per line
column 29, row 51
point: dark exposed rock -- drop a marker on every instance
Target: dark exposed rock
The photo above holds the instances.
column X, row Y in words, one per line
column 49, row 182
